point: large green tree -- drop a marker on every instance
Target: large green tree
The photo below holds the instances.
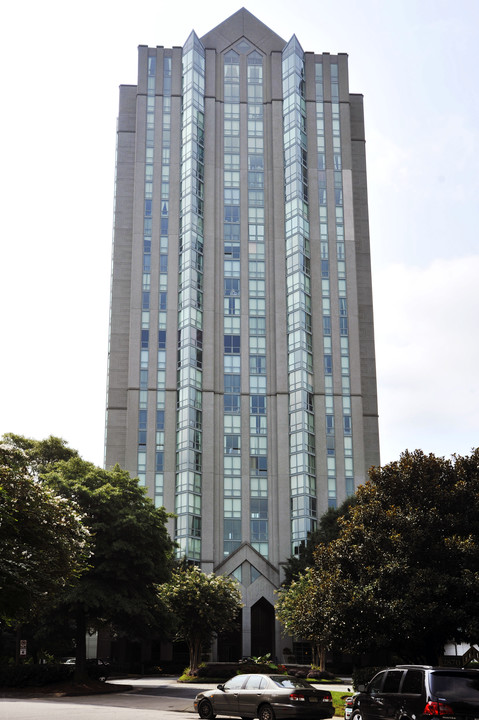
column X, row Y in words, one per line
column 403, row 573
column 131, row 552
column 44, row 544
column 203, row 606
column 328, row 529
column 304, row 610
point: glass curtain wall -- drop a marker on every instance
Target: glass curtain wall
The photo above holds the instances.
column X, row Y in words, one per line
column 146, row 281
column 298, row 298
column 232, row 306
column 163, row 284
column 190, row 306
column 257, row 309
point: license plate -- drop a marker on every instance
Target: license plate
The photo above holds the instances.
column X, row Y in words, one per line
column 315, row 699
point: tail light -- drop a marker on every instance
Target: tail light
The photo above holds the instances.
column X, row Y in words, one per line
column 328, row 697
column 297, row 697
column 437, row 708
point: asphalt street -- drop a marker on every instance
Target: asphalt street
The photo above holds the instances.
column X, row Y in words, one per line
column 149, row 699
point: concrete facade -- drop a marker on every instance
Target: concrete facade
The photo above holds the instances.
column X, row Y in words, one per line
column 242, row 382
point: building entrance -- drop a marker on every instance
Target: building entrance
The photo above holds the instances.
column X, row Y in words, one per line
column 262, row 628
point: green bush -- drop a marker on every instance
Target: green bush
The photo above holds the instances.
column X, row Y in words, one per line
column 316, row 674
column 30, row 675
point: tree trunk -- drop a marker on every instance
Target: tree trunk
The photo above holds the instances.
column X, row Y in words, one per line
column 80, row 641
column 322, row 657
column 195, row 655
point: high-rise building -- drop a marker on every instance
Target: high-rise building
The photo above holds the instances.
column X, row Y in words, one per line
column 242, row 383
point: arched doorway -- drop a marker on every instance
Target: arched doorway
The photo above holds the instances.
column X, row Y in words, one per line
column 262, row 628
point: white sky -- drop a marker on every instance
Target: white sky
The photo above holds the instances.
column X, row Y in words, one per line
column 415, row 61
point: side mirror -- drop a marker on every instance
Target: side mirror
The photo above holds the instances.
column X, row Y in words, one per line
column 361, row 687
column 221, row 687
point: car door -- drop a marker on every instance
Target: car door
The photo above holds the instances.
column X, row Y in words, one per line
column 250, row 696
column 370, row 701
column 391, row 698
column 226, row 701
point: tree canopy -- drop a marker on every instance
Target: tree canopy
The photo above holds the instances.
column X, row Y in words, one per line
column 203, row 606
column 403, row 573
column 328, row 529
column 44, row 544
column 131, row 550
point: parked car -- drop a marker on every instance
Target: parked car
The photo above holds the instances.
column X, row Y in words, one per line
column 265, row 697
column 415, row 692
column 348, row 705
column 97, row 668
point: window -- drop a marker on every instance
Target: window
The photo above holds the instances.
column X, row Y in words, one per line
column 232, row 403
column 232, row 286
column 232, row 444
column 235, row 683
column 232, row 383
column 232, row 344
column 258, row 404
column 258, row 465
column 376, row 684
column 412, row 682
column 259, row 508
column 256, row 682
column 392, row 681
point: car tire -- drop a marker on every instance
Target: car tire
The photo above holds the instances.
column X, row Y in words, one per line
column 205, row 710
column 266, row 712
column 357, row 715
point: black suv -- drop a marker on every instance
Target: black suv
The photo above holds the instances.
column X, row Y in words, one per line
column 417, row 692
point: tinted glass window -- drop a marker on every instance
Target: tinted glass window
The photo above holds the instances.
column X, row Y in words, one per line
column 376, row 684
column 289, row 682
column 235, row 683
column 456, row 686
column 413, row 684
column 393, row 678
column 255, row 682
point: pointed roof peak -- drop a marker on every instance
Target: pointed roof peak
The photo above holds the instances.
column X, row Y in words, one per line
column 243, row 24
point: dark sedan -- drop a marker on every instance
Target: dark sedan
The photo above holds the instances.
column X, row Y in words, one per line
column 265, row 697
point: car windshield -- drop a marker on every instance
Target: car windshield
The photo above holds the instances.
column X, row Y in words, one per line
column 289, row 682
column 456, row 686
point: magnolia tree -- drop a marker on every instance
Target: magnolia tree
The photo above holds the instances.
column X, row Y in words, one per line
column 403, row 574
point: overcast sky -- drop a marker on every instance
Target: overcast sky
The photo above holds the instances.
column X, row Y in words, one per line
column 415, row 61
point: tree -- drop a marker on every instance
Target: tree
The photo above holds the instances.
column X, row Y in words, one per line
column 328, row 529
column 404, row 571
column 44, row 545
column 38, row 456
column 131, row 552
column 204, row 605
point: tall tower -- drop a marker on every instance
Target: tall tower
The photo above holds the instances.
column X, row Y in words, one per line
column 242, row 382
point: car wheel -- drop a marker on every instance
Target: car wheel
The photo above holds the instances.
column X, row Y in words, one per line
column 266, row 712
column 205, row 709
column 357, row 715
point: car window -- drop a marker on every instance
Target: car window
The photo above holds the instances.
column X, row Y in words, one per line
column 392, row 681
column 456, row 686
column 255, row 682
column 289, row 682
column 376, row 684
column 235, row 683
column 413, row 684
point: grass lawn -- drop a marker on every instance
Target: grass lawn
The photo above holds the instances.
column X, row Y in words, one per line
column 338, row 702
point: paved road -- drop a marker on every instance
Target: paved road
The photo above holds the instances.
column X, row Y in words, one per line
column 149, row 699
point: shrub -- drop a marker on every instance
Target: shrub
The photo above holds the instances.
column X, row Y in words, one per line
column 317, row 674
column 30, row 675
